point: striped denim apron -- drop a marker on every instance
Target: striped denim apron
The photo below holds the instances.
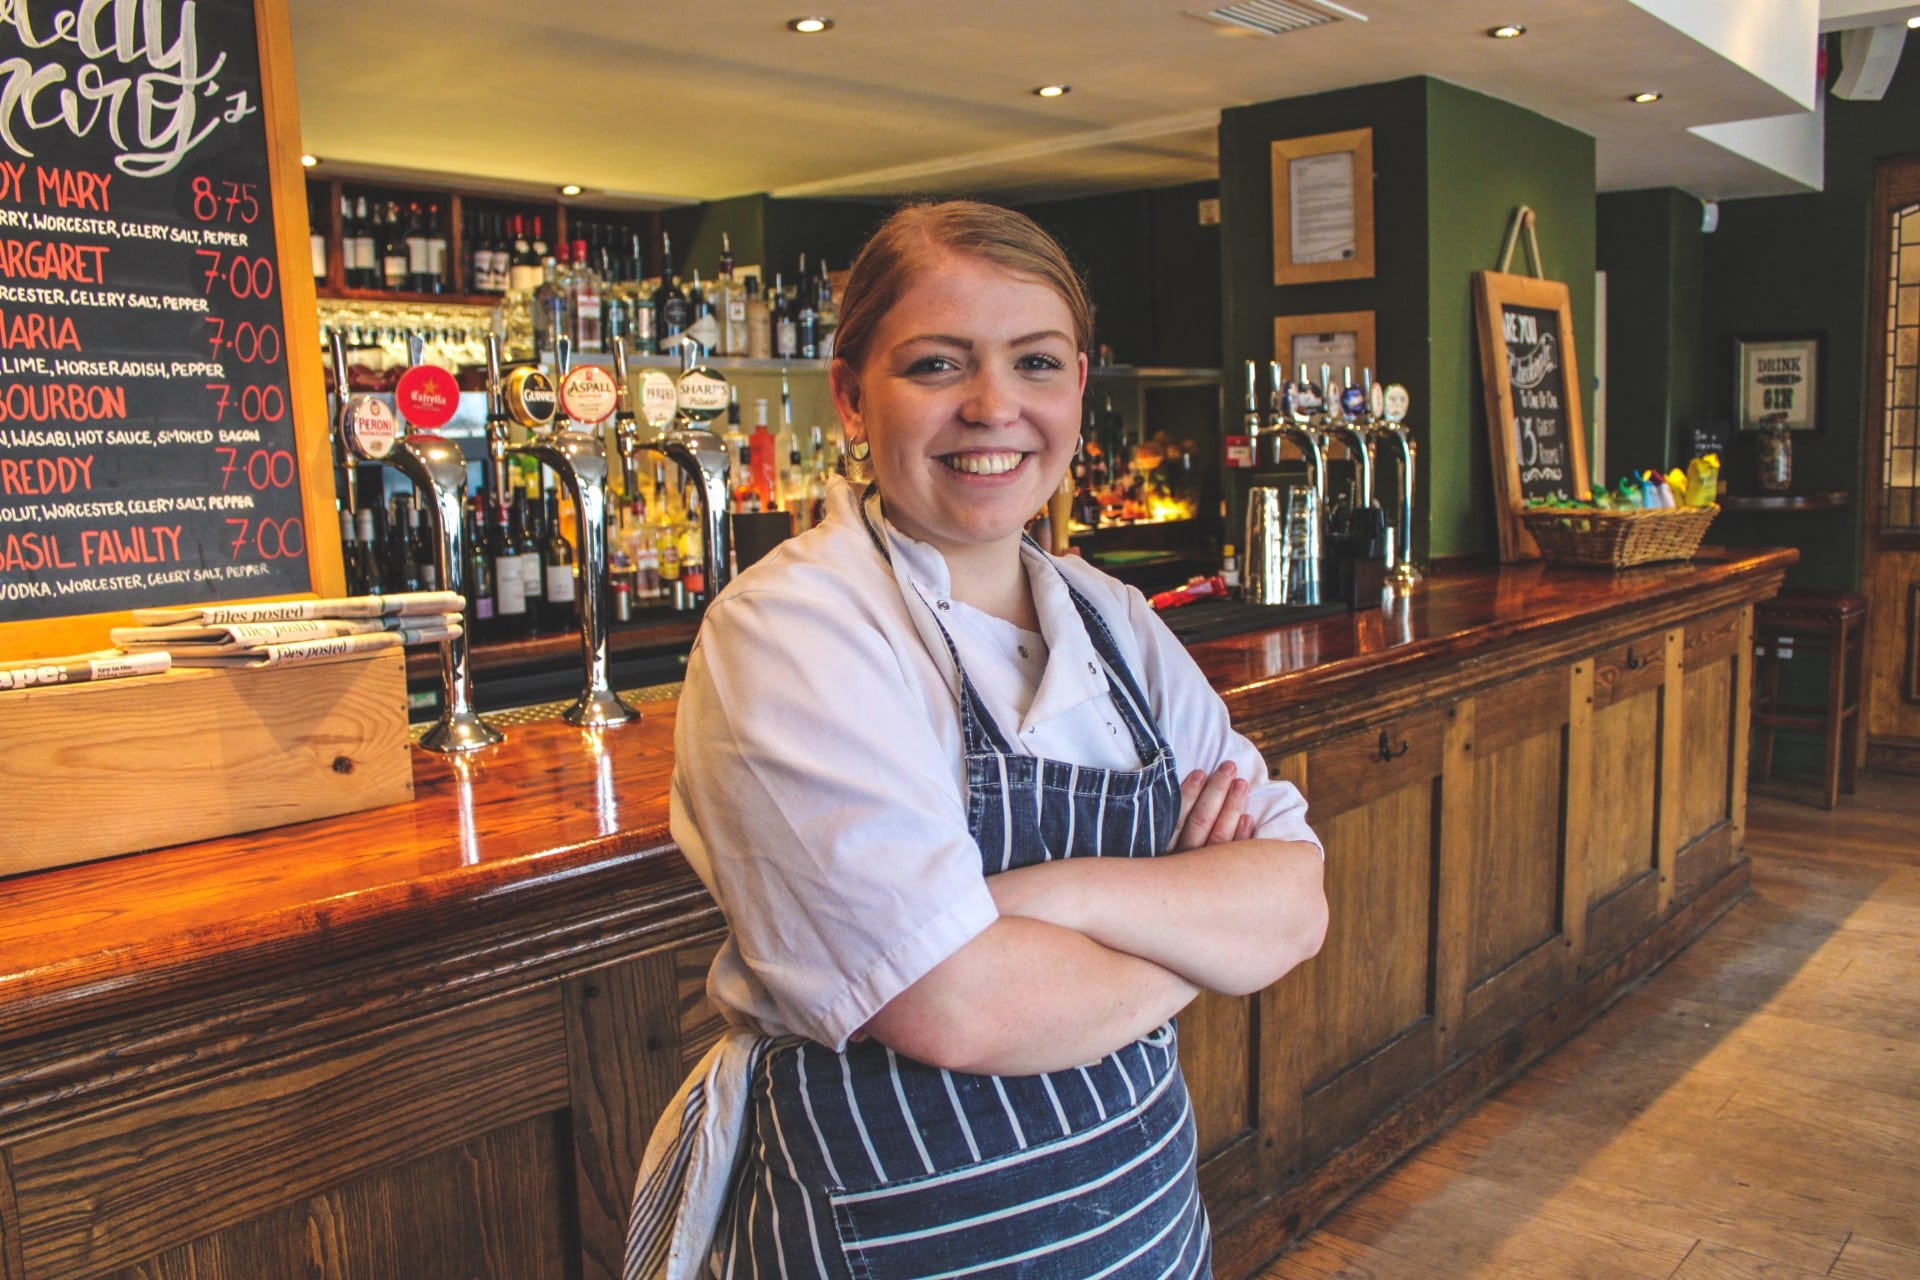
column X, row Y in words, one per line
column 871, row 1166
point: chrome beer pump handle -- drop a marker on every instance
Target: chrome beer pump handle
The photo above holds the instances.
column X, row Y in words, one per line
column 438, row 470
column 1402, row 569
column 579, row 459
column 349, row 464
column 498, row 423
column 626, row 427
column 1299, row 429
column 702, row 457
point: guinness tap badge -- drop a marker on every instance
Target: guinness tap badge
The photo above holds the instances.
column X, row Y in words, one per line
column 530, row 397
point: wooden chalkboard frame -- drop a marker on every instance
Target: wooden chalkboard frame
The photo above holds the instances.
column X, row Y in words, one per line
column 1492, row 291
column 306, row 384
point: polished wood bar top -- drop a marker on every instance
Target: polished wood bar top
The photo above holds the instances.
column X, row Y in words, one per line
column 557, row 815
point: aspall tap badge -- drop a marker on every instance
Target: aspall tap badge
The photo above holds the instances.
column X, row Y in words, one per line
column 368, row 427
column 659, row 400
column 702, row 394
column 530, row 397
column 427, row 397
column 1398, row 402
column 589, row 395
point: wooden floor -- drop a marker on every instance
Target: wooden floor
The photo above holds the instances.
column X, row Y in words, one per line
column 1752, row 1111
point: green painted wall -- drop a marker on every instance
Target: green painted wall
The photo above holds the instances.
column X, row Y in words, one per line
column 1486, row 157
column 1450, row 165
column 1654, row 253
column 1799, row 264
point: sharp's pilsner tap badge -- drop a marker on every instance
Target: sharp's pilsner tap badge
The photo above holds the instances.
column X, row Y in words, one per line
column 149, row 336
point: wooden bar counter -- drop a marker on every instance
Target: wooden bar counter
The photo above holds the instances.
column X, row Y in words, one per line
column 430, row 1040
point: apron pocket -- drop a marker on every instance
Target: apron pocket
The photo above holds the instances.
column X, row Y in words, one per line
column 1122, row 1195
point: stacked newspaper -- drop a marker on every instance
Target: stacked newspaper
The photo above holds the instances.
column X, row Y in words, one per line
column 289, row 631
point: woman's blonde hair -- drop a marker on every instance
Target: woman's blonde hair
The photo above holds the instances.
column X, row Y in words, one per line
column 916, row 233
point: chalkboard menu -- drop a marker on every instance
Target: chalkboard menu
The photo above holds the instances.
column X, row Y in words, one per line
column 1531, row 338
column 1527, row 364
column 148, row 452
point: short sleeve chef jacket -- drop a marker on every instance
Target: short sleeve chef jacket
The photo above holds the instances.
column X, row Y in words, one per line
column 819, row 790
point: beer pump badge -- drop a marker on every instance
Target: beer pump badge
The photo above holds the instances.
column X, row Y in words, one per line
column 1377, row 401
column 369, row 427
column 659, row 399
column 589, row 395
column 1398, row 402
column 1353, row 403
column 701, row 395
column 427, row 396
column 530, row 397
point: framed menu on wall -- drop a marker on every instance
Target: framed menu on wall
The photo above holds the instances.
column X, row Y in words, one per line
column 1342, row 340
column 163, row 425
column 1323, row 207
column 1532, row 384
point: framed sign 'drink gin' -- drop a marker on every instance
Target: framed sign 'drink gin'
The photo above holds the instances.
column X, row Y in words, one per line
column 163, row 433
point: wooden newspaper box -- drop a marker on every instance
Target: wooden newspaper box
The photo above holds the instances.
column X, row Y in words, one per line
column 92, row 770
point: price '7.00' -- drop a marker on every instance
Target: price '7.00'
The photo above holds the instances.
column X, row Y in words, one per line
column 250, row 343
column 268, row 538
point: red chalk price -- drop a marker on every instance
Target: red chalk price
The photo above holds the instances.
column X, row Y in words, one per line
column 242, row 276
column 261, row 469
column 225, row 201
column 267, row 538
column 253, row 404
column 249, row 343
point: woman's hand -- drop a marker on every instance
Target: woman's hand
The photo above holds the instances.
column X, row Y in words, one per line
column 1213, row 809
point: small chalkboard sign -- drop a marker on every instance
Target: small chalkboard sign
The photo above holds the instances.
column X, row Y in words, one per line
column 1532, row 396
column 162, row 437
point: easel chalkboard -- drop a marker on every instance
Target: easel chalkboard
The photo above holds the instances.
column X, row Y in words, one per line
column 163, row 426
column 1532, row 382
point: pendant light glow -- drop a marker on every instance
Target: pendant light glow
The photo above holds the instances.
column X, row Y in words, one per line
column 810, row 26
column 1510, row 31
column 1053, row 91
column 1644, row 98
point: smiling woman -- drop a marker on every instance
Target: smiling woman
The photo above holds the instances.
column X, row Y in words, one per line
column 928, row 773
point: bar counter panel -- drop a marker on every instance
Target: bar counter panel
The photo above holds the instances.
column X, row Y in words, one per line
column 432, row 1038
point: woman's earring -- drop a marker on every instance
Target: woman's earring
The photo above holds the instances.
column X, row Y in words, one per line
column 860, row 450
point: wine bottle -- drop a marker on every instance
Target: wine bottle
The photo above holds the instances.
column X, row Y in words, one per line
column 523, row 271
column 532, row 569
column 670, row 317
column 316, row 242
column 479, row 582
column 704, row 326
column 366, row 564
column 415, row 260
column 558, row 566
column 509, row 590
column 366, row 265
column 435, row 279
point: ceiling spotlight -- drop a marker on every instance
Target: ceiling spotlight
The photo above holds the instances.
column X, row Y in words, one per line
column 571, row 189
column 809, row 26
column 1645, row 97
column 1053, row 90
column 1508, row 32
column 309, row 160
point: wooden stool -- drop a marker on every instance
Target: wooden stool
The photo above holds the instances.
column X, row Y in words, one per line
column 1793, row 622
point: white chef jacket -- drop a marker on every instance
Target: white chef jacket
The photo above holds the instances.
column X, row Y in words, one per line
column 819, row 789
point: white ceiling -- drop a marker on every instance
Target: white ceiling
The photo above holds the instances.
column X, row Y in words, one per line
column 675, row 100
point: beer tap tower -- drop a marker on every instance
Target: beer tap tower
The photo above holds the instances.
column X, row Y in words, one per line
column 437, row 469
column 579, row 458
column 1295, row 415
column 1390, row 423
column 692, row 446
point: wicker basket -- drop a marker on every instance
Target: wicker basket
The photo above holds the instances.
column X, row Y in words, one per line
column 1617, row 539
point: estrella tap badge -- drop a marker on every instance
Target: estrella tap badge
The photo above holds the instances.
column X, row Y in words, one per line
column 589, row 394
column 530, row 397
column 370, row 427
column 427, row 396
